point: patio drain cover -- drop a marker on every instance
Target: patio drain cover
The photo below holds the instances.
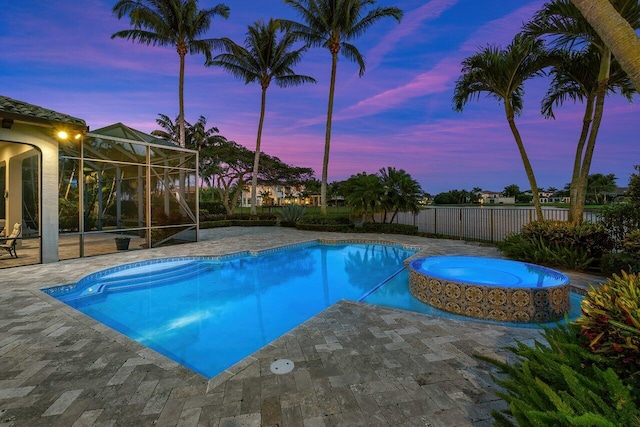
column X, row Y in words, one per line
column 282, row 366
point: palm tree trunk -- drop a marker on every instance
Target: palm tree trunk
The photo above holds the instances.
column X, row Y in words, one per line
column 525, row 160
column 181, row 101
column 327, row 138
column 603, row 82
column 577, row 161
column 256, row 159
column 616, row 32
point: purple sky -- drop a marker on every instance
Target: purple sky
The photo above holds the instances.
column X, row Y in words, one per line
column 59, row 55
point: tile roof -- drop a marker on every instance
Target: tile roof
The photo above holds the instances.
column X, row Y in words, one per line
column 23, row 111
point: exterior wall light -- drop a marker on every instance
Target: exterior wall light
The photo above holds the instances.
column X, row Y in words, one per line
column 62, row 134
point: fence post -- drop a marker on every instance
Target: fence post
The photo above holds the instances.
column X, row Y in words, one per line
column 460, row 225
column 435, row 221
column 491, row 225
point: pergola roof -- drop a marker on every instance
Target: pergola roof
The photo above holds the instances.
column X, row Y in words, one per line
column 119, row 130
column 13, row 109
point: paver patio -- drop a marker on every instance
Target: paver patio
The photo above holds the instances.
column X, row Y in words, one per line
column 355, row 364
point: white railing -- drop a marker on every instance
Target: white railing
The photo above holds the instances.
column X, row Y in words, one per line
column 477, row 223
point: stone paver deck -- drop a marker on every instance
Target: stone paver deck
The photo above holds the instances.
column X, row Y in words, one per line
column 355, row 364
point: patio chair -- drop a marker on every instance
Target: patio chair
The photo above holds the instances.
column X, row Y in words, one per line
column 9, row 243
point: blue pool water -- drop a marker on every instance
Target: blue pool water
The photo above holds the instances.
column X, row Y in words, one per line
column 207, row 314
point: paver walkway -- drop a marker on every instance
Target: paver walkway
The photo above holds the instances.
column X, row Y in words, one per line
column 355, row 364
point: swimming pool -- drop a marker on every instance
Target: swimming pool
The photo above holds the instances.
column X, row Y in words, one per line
column 209, row 313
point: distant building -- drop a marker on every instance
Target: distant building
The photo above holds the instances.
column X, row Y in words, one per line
column 495, row 198
column 279, row 195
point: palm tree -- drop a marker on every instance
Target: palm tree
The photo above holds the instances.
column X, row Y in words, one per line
column 564, row 24
column 332, row 24
column 575, row 77
column 176, row 23
column 501, row 73
column 364, row 192
column 616, row 33
column 401, row 192
column 262, row 59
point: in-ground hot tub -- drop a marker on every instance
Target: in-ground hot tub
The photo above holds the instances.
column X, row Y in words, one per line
column 490, row 288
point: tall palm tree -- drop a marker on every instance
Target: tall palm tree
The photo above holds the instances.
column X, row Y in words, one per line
column 564, row 25
column 575, row 77
column 263, row 58
column 332, row 24
column 616, row 32
column 501, row 73
column 176, row 23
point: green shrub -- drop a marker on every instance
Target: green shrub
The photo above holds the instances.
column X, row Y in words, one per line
column 326, row 220
column 611, row 323
column 325, row 223
column 557, row 243
column 619, row 219
column 290, row 214
column 614, row 263
column 592, row 238
column 238, row 223
column 631, row 243
column 213, row 208
column 380, row 227
column 324, row 227
column 560, row 384
column 536, row 251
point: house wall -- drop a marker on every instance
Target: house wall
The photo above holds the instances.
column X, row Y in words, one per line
column 40, row 138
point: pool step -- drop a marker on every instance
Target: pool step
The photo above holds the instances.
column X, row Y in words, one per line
column 143, row 278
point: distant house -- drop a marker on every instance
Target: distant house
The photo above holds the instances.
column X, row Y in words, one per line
column 279, row 195
column 549, row 197
column 495, row 198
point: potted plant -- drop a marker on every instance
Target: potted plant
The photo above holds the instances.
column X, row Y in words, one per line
column 122, row 243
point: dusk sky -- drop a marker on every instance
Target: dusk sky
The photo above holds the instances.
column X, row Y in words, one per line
column 59, row 55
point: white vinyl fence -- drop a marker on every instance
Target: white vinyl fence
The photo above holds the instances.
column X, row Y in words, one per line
column 477, row 223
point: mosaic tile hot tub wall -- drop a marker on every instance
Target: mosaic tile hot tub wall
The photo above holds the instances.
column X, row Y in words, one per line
column 490, row 302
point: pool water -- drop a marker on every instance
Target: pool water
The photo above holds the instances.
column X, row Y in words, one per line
column 208, row 314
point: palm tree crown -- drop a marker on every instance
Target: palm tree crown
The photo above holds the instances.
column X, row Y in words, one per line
column 263, row 58
column 501, row 73
column 177, row 23
column 332, row 24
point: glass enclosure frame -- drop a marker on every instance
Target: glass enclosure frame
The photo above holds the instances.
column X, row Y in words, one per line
column 118, row 189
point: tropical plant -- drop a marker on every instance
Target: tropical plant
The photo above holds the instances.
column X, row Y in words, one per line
column 598, row 185
column 557, row 243
column 511, row 190
column 610, row 321
column 364, row 193
column 333, row 24
column 176, row 23
column 619, row 219
column 290, row 214
column 401, row 192
column 563, row 24
column 559, row 383
column 501, row 73
column 262, row 59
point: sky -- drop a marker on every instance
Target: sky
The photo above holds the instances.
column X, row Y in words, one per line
column 60, row 55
